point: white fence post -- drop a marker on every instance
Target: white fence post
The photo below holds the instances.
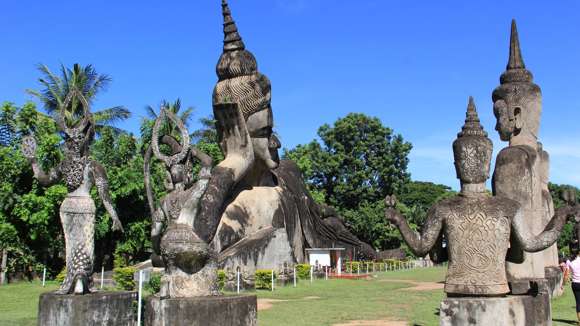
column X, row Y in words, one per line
column 311, row 273
column 238, row 281
column 102, row 276
column 140, row 295
column 272, row 280
column 44, row 277
column 294, row 276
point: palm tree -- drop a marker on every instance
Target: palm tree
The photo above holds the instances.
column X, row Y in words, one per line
column 89, row 83
column 175, row 108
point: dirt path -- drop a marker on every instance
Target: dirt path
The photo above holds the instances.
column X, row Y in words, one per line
column 373, row 323
column 418, row 286
column 265, row 304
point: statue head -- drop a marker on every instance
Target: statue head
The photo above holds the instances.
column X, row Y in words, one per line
column 241, row 83
column 472, row 149
column 517, row 102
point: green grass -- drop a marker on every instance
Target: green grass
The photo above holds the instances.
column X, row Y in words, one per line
column 335, row 301
column 19, row 302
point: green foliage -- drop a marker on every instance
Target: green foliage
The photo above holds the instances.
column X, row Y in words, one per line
column 123, row 277
column 154, row 284
column 61, row 276
column 263, row 279
column 557, row 192
column 359, row 161
column 303, row 271
column 221, row 279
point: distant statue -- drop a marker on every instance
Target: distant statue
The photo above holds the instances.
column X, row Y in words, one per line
column 189, row 262
column 477, row 226
column 77, row 212
column 256, row 212
column 522, row 169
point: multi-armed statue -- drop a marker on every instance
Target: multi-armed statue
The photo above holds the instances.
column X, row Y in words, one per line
column 80, row 173
column 189, row 262
column 521, row 169
column 478, row 227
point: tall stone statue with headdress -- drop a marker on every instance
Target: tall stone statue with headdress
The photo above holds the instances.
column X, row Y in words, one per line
column 256, row 212
column 77, row 212
column 521, row 169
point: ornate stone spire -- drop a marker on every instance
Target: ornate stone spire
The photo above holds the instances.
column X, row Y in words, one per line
column 239, row 80
column 472, row 149
column 232, row 39
column 516, row 69
column 472, row 127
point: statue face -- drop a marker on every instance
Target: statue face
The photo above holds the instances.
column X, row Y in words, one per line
column 505, row 125
column 517, row 108
column 265, row 143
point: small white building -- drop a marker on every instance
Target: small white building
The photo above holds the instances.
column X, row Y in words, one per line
column 329, row 257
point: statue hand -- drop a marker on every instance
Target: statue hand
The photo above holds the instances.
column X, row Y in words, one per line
column 391, row 214
column 236, row 141
column 29, row 147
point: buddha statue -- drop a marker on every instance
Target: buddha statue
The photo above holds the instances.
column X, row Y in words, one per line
column 477, row 226
column 79, row 173
column 522, row 169
column 256, row 211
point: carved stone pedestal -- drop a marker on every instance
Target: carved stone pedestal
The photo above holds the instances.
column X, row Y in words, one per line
column 554, row 277
column 101, row 308
column 202, row 311
column 513, row 310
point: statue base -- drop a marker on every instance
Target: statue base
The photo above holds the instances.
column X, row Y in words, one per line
column 100, row 308
column 202, row 311
column 555, row 279
column 512, row 310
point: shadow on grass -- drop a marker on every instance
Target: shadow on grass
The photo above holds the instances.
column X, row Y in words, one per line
column 566, row 321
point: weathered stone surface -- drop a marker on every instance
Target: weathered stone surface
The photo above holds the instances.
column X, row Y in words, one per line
column 513, row 310
column 522, row 168
column 554, row 279
column 202, row 311
column 95, row 309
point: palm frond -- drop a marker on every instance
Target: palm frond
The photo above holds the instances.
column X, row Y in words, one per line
column 111, row 115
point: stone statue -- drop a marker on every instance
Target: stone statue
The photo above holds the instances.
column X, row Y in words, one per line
column 77, row 212
column 190, row 263
column 256, row 212
column 521, row 169
column 478, row 227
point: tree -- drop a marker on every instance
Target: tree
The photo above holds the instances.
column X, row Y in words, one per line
column 89, row 83
column 557, row 192
column 359, row 161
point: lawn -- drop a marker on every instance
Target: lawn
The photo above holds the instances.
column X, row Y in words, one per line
column 386, row 296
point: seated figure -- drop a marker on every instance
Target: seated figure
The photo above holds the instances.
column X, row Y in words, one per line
column 478, row 227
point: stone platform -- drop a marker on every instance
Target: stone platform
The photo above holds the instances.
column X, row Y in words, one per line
column 202, row 311
column 513, row 310
column 100, row 308
column 554, row 277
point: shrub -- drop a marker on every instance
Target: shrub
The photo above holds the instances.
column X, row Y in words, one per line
column 354, row 267
column 263, row 279
column 221, row 279
column 61, row 276
column 123, row 277
column 303, row 271
column 154, row 284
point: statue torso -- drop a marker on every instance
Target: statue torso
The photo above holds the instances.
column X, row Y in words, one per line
column 478, row 233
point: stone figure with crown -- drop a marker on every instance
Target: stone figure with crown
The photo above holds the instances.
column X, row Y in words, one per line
column 256, row 212
column 190, row 265
column 521, row 169
column 478, row 227
column 77, row 212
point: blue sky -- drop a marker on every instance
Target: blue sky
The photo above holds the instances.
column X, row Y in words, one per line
column 413, row 64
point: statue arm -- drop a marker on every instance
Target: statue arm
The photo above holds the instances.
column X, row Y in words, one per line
column 102, row 183
column 237, row 146
column 420, row 243
column 535, row 243
column 44, row 178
